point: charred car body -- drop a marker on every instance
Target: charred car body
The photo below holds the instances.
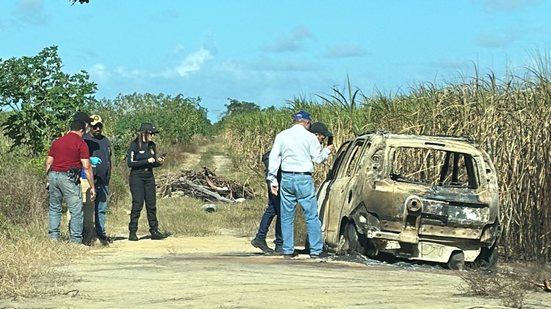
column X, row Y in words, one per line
column 428, row 198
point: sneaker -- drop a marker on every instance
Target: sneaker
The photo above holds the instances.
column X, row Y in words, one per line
column 278, row 250
column 133, row 236
column 322, row 255
column 262, row 245
column 291, row 255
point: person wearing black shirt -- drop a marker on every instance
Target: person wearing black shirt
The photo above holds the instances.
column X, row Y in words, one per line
column 100, row 156
column 142, row 157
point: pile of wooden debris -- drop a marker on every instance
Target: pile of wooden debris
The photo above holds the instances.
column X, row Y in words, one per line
column 203, row 185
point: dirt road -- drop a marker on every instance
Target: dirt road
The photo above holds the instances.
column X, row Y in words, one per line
column 226, row 272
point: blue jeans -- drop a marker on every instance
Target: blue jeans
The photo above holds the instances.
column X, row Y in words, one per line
column 61, row 187
column 271, row 211
column 300, row 189
column 102, row 193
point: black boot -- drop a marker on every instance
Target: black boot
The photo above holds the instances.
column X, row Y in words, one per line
column 133, row 236
column 157, row 235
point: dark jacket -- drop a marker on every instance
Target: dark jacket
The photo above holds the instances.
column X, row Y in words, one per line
column 100, row 147
column 266, row 161
column 138, row 154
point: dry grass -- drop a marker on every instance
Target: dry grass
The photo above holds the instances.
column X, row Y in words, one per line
column 27, row 263
column 183, row 216
column 510, row 283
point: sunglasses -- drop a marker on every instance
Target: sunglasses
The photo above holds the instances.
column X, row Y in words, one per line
column 97, row 126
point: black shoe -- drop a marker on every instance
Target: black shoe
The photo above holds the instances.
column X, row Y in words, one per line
column 88, row 243
column 133, row 236
column 290, row 256
column 278, row 250
column 157, row 235
column 105, row 240
column 262, row 245
column 322, row 255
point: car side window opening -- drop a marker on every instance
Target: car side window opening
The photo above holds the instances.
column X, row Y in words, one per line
column 434, row 167
column 337, row 164
column 353, row 158
column 361, row 159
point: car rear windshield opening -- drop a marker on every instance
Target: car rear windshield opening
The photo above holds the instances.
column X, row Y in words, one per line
column 434, row 167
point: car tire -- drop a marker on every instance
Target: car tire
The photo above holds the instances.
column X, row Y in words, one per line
column 353, row 239
column 487, row 260
column 457, row 261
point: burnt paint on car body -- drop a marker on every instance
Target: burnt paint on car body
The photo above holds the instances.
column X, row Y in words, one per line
column 445, row 203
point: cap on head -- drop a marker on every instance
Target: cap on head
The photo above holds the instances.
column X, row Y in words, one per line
column 148, row 128
column 320, row 128
column 95, row 120
column 302, row 115
column 83, row 117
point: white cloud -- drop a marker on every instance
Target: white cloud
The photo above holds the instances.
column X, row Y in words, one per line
column 292, row 41
column 100, row 72
column 193, row 62
column 31, row 12
column 130, row 74
column 345, row 51
column 166, row 15
column 509, row 5
column 4, row 24
column 502, row 39
column 282, row 65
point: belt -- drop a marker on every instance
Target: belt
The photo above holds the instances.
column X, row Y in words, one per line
column 147, row 169
column 297, row 173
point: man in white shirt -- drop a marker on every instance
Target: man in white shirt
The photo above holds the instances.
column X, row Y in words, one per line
column 294, row 151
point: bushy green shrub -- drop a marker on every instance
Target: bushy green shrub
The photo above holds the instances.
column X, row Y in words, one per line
column 178, row 118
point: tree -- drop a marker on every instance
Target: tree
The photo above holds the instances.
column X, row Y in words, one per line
column 235, row 107
column 40, row 99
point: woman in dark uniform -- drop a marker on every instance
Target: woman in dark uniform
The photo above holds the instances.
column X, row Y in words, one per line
column 141, row 157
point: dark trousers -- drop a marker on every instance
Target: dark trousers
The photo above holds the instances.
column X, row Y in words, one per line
column 272, row 210
column 142, row 188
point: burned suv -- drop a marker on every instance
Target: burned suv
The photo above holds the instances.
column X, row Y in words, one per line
column 428, row 198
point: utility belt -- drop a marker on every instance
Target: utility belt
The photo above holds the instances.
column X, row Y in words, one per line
column 73, row 174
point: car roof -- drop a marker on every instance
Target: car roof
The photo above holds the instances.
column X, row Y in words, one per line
column 459, row 143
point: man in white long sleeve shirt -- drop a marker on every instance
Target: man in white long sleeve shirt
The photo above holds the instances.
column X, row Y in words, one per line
column 294, row 151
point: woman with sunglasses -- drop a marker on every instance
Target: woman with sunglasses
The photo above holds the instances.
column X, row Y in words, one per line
column 142, row 157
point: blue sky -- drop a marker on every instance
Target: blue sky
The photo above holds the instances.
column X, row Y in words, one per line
column 269, row 52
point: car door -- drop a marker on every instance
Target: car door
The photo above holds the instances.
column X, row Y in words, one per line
column 339, row 192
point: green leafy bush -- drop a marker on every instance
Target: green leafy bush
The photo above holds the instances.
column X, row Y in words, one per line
column 40, row 99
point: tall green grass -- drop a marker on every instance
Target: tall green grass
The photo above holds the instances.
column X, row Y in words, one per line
column 509, row 117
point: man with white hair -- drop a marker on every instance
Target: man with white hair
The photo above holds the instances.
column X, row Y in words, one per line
column 294, row 151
